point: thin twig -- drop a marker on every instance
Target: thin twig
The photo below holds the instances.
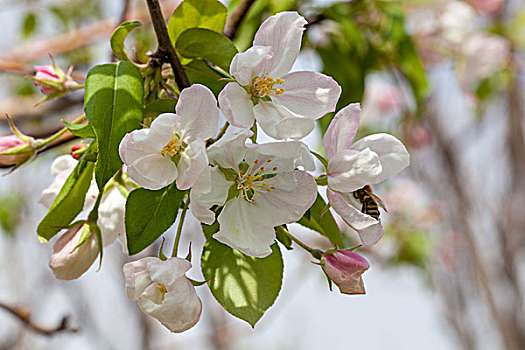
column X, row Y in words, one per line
column 24, row 315
column 179, row 229
column 166, row 49
column 236, row 18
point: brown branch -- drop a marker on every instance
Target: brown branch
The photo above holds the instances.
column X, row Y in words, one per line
column 166, row 49
column 236, row 18
column 24, row 316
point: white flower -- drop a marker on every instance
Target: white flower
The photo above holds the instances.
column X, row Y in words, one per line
column 259, row 187
column 162, row 291
column 173, row 147
column 284, row 104
column 351, row 166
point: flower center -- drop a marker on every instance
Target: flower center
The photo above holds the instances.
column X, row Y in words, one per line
column 265, row 85
column 173, row 146
column 251, row 181
column 162, row 290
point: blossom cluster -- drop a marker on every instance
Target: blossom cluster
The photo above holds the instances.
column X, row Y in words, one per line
column 248, row 188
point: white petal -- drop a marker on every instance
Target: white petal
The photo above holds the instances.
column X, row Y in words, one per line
column 309, row 94
column 203, row 196
column 247, row 227
column 193, row 161
column 285, row 156
column 350, row 170
column 369, row 229
column 229, row 151
column 294, row 193
column 237, row 106
column 111, row 216
column 162, row 129
column 178, row 310
column 61, row 163
column 280, row 123
column 283, row 33
column 169, row 271
column 342, row 129
column 392, row 153
column 137, row 277
column 199, row 114
column 246, row 66
column 153, row 171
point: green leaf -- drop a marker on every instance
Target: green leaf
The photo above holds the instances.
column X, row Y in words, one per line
column 208, row 45
column 245, row 286
column 199, row 72
column 209, row 14
column 119, row 35
column 326, row 226
column 29, row 25
column 68, row 203
column 113, row 106
column 149, row 214
column 162, row 105
column 81, row 130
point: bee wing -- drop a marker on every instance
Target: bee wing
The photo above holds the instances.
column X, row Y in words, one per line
column 378, row 200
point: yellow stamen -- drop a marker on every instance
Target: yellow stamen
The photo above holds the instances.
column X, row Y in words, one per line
column 162, row 290
column 264, row 86
column 172, row 147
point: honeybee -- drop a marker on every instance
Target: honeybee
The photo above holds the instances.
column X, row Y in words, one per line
column 370, row 202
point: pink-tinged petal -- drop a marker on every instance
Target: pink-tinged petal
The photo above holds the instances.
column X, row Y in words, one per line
column 153, row 171
column 169, row 271
column 342, row 129
column 237, row 106
column 46, row 72
column 10, row 141
column 280, row 123
column 68, row 262
column 283, row 33
column 199, row 113
column 178, row 310
column 345, row 268
column 246, row 66
column 293, row 195
column 203, row 196
column 193, row 161
column 283, row 156
column 162, row 130
column 350, row 170
column 247, row 227
column 309, row 94
column 136, row 277
column 229, row 151
column 369, row 229
column 393, row 155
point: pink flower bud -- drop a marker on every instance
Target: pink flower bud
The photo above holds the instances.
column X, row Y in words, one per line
column 9, row 155
column 47, row 77
column 77, row 151
column 487, row 6
column 345, row 268
column 68, row 262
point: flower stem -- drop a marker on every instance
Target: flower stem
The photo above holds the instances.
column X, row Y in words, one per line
column 219, row 135
column 58, row 134
column 316, row 253
column 179, row 229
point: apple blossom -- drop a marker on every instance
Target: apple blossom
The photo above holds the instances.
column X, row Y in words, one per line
column 345, row 268
column 351, row 166
column 173, row 147
column 162, row 291
column 69, row 261
column 259, row 188
column 284, row 104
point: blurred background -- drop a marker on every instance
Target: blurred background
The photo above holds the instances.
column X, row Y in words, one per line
column 446, row 77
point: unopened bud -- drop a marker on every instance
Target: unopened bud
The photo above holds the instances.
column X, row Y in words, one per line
column 47, row 78
column 77, row 151
column 69, row 261
column 345, row 268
